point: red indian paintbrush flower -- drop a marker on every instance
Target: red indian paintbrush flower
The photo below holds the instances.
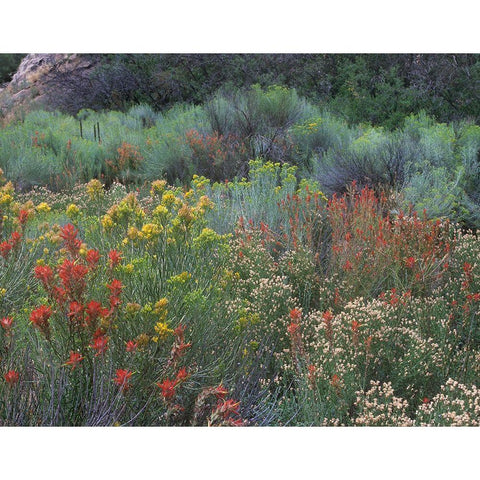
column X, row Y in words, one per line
column 73, row 277
column 39, row 317
column 179, row 332
column 295, row 314
column 69, row 235
column 114, row 257
column 5, row 248
column 168, row 388
column 12, row 377
column 75, row 313
column 59, row 294
column 178, row 350
column 347, row 265
column 227, row 407
column 74, row 360
column 22, row 217
column 220, row 391
column 92, row 258
column 182, row 375
column 6, row 323
column 293, row 328
column 121, row 379
column 45, row 274
column 95, row 310
column 410, row 262
column 115, row 287
column 131, row 346
column 355, row 326
column 114, row 302
column 335, row 381
column 15, row 239
column 100, row 344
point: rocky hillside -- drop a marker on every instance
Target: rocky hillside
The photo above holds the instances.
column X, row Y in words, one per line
column 39, row 78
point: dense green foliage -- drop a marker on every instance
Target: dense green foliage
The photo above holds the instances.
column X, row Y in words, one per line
column 430, row 165
column 376, row 88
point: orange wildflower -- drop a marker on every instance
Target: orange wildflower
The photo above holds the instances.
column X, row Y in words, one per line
column 12, row 377
column 121, row 379
column 74, row 360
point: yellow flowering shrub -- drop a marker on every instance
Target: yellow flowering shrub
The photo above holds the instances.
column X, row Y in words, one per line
column 157, row 187
column 95, row 190
column 72, row 211
column 43, row 207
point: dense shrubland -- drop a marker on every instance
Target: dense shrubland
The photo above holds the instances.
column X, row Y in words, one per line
column 423, row 163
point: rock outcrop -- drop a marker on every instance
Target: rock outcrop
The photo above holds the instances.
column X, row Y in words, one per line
column 41, row 78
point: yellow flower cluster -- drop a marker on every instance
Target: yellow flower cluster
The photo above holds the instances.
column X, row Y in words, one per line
column 162, row 331
column 128, row 209
column 43, row 207
column 95, row 189
column 161, row 213
column 72, row 211
column 161, row 305
column 169, row 199
column 107, row 222
column 199, row 182
column 151, row 231
column 5, row 198
column 180, row 279
column 158, row 186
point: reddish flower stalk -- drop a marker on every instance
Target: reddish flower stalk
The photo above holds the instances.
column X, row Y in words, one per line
column 74, row 360
column 121, row 379
column 182, row 375
column 179, row 332
column 295, row 314
column 73, row 278
column 293, row 328
column 5, row 248
column 22, row 217
column 12, row 377
column 168, row 388
column 6, row 323
column 355, row 327
column 69, row 233
column 311, row 374
column 45, row 274
column 75, row 313
column 335, row 382
column 100, row 344
column 94, row 310
column 39, row 317
column 327, row 318
column 410, row 262
column 115, row 288
column 15, row 239
column 92, row 258
column 114, row 258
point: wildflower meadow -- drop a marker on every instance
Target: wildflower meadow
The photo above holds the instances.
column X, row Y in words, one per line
column 258, row 301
